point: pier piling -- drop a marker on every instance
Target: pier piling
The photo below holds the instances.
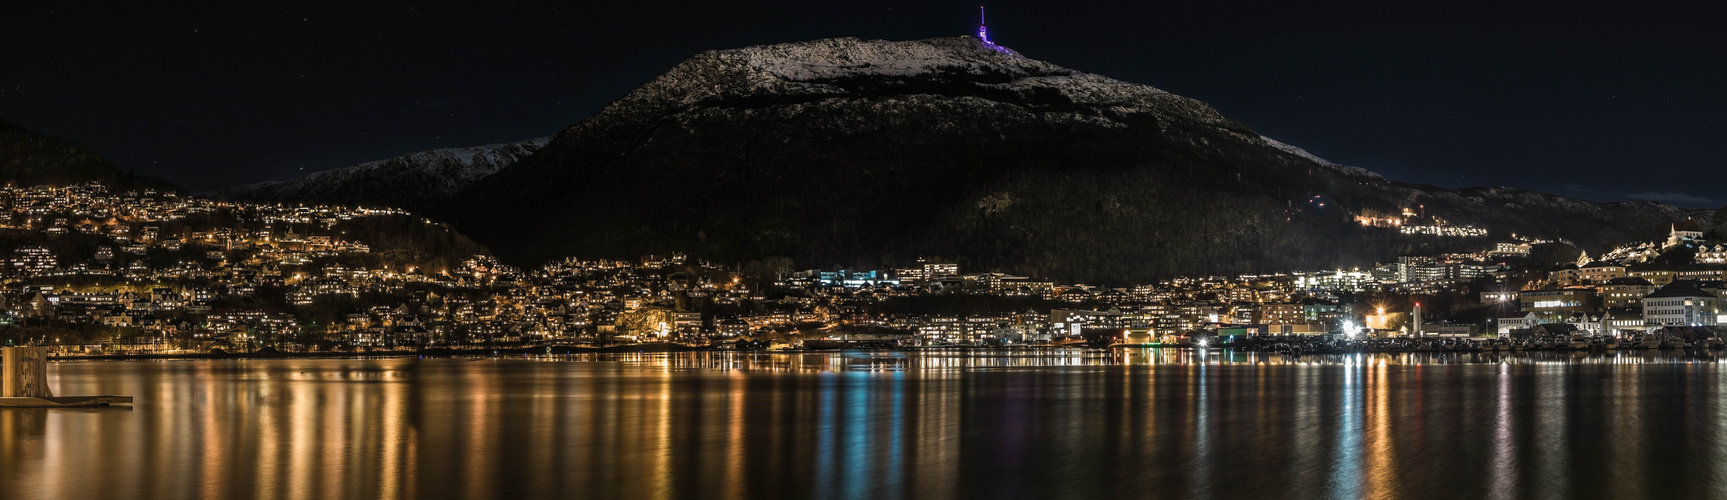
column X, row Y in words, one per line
column 25, row 383
column 26, row 373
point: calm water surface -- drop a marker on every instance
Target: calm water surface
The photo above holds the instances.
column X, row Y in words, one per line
column 1039, row 424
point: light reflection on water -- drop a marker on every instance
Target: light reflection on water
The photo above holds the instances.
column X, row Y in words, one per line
column 943, row 424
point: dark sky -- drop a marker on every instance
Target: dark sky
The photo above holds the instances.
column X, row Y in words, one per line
column 1606, row 102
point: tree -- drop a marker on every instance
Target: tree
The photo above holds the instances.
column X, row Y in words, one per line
column 647, row 321
column 779, row 267
column 1718, row 226
column 1549, row 256
column 768, row 270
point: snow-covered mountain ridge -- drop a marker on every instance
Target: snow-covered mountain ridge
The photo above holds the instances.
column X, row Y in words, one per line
column 852, row 68
column 1345, row 169
column 408, row 181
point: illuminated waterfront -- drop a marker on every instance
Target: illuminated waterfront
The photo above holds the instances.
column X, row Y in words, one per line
column 1039, row 423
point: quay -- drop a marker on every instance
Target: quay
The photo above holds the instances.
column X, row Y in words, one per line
column 25, row 383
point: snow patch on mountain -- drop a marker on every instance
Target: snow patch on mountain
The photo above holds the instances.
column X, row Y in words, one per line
column 1345, row 169
column 851, row 68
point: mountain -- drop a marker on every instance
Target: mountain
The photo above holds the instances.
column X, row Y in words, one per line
column 28, row 158
column 411, row 181
column 867, row 153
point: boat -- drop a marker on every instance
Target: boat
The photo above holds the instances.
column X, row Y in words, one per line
column 1673, row 343
column 1610, row 343
column 1648, row 342
column 1713, row 343
column 1577, row 343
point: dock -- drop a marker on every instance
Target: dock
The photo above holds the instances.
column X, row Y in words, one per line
column 25, row 383
column 66, row 402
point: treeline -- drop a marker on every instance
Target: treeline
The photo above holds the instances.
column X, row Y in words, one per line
column 399, row 241
column 31, row 159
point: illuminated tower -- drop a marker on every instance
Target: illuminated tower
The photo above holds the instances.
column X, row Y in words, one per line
column 982, row 29
column 1417, row 329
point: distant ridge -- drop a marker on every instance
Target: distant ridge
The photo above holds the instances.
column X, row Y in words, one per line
column 28, row 158
column 410, row 181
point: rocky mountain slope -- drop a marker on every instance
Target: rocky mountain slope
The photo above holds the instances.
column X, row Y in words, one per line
column 411, row 181
column 28, row 158
column 859, row 152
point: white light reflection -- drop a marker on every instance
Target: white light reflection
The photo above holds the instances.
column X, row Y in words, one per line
column 1504, row 449
column 1346, row 458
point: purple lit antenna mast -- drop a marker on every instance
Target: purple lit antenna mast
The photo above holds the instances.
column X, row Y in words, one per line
column 982, row 29
column 983, row 34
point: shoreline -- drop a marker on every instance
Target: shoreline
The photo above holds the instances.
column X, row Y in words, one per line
column 388, row 354
column 540, row 350
column 674, row 348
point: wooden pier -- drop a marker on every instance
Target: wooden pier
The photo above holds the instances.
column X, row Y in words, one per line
column 25, row 383
column 70, row 402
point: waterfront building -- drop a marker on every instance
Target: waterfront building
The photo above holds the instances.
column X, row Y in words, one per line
column 1680, row 303
column 1623, row 320
column 1447, row 330
column 1316, row 310
column 732, row 327
column 1070, row 322
column 1554, row 305
column 1282, row 314
column 943, row 329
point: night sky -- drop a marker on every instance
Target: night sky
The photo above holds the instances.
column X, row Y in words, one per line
column 1605, row 102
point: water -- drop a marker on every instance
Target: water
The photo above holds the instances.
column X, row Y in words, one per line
column 1035, row 424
